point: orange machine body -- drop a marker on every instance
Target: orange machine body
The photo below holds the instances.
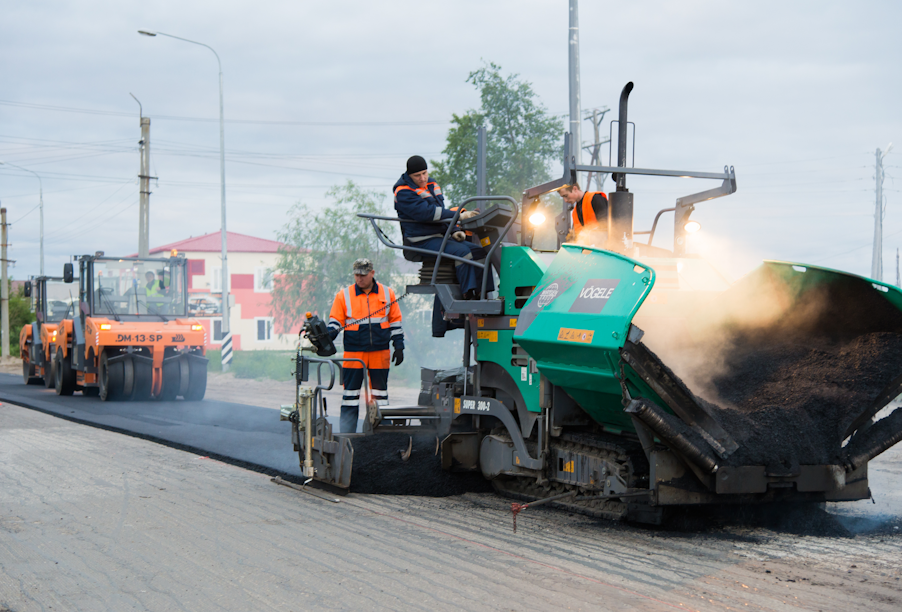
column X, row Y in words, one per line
column 127, row 341
column 145, row 338
column 48, row 339
column 37, row 365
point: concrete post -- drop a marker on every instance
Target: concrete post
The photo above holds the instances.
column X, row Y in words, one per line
column 144, row 205
column 4, row 290
column 877, row 253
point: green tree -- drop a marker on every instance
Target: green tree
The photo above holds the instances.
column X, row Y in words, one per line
column 523, row 139
column 320, row 248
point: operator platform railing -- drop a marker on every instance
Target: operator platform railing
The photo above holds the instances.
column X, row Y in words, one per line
column 452, row 224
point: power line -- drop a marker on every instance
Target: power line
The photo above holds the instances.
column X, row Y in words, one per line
column 89, row 111
column 29, row 195
column 91, row 221
column 797, row 161
column 37, row 206
column 855, row 249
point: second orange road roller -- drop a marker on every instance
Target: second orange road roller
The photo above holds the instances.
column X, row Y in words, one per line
column 130, row 337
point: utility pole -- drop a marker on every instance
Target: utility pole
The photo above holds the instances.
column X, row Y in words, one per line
column 144, row 205
column 576, row 143
column 594, row 149
column 898, row 280
column 4, row 290
column 879, row 211
column 481, row 183
column 144, row 176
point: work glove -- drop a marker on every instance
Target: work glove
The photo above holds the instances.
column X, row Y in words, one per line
column 468, row 214
column 398, row 356
column 459, row 236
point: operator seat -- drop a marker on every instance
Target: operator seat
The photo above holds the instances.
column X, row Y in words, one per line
column 485, row 226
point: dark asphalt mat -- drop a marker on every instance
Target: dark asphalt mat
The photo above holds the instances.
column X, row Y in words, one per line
column 252, row 437
column 247, row 434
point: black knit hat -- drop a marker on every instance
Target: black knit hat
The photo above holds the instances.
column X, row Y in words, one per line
column 416, row 164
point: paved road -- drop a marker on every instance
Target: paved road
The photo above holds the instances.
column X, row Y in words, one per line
column 94, row 520
column 245, row 433
column 256, row 436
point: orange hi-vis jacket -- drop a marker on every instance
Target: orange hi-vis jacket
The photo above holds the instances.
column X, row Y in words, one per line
column 378, row 323
column 591, row 212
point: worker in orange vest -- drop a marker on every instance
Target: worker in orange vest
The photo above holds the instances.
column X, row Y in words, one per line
column 589, row 215
column 369, row 314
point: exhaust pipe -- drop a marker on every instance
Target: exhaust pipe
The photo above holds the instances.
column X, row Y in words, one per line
column 667, row 429
column 620, row 202
column 879, row 437
column 621, row 135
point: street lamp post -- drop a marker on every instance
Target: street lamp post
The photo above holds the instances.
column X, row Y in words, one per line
column 40, row 206
column 226, row 327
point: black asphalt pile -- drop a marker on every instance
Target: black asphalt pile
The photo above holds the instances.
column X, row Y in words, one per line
column 378, row 469
column 787, row 362
column 790, row 404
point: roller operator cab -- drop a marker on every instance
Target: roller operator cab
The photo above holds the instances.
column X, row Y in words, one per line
column 53, row 300
column 617, row 378
column 129, row 336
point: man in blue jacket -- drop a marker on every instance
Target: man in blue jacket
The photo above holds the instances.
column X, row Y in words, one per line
column 420, row 199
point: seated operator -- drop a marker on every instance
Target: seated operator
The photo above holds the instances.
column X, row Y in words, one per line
column 152, row 288
column 590, row 215
column 419, row 199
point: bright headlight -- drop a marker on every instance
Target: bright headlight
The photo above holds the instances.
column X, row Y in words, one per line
column 537, row 218
column 692, row 226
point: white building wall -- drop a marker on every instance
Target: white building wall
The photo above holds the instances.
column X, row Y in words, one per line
column 244, row 320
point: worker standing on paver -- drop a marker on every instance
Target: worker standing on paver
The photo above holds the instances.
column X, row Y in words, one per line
column 369, row 314
column 589, row 215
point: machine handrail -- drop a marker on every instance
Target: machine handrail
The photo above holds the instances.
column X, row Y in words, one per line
column 398, row 219
column 507, row 228
column 333, row 367
column 393, row 245
column 451, row 225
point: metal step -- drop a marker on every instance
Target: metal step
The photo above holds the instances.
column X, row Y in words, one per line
column 453, row 302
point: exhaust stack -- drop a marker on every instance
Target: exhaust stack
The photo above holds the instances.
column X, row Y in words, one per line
column 620, row 202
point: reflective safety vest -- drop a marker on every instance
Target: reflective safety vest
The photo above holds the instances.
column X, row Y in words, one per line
column 586, row 215
column 378, row 324
column 153, row 290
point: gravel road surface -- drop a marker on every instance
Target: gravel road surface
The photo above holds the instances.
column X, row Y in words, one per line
column 94, row 520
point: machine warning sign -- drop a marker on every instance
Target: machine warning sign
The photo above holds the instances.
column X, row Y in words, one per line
column 491, row 336
column 594, row 295
column 576, row 335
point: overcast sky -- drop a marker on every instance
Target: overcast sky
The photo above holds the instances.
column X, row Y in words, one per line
column 797, row 96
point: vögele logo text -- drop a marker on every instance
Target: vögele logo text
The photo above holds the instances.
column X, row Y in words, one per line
column 594, row 295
